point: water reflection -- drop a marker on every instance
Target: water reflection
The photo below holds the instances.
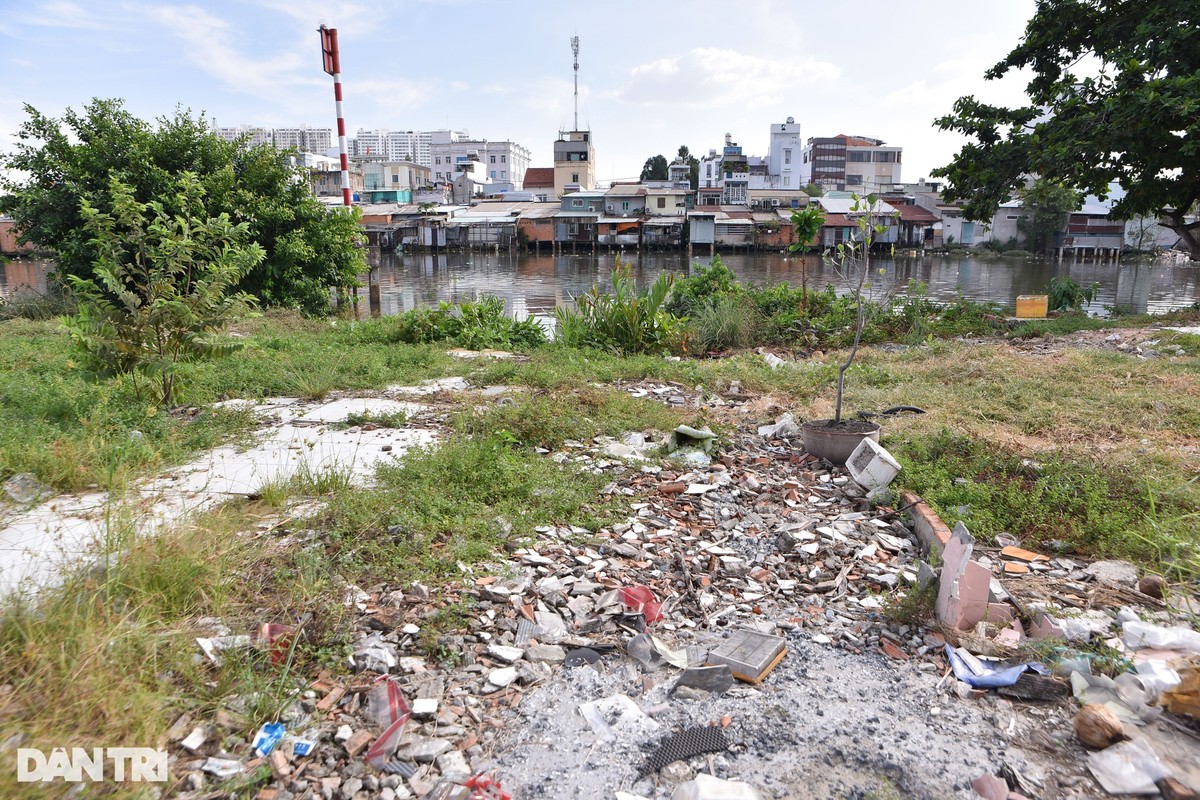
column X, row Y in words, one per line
column 536, row 284
column 532, row 284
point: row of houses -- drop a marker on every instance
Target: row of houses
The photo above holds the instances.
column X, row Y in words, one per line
column 637, row 216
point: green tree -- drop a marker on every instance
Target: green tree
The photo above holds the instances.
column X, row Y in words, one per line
column 1132, row 118
column 814, row 190
column 655, row 169
column 693, row 165
column 59, row 163
column 1046, row 205
column 161, row 288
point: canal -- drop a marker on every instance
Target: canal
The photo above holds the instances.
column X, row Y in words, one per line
column 536, row 284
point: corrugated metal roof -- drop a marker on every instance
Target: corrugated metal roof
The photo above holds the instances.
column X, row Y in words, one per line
column 626, row 190
column 845, row 205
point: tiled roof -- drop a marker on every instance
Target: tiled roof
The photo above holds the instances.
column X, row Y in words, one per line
column 915, row 213
column 539, row 178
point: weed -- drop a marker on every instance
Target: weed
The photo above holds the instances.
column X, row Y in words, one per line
column 382, row 419
column 912, row 606
column 723, row 323
column 475, row 325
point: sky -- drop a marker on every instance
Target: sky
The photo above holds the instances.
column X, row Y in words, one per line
column 652, row 75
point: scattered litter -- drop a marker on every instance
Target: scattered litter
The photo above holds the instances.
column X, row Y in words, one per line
column 617, row 715
column 1097, row 726
column 640, row 600
column 223, row 768
column 653, row 653
column 785, row 427
column 267, row 738
column 387, row 707
column 1185, row 697
column 1144, row 634
column 686, row 436
column 25, row 488
column 871, row 466
column 1127, row 768
column 212, row 647
column 708, row 787
column 974, row 672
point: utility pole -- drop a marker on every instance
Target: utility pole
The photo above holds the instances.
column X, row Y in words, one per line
column 333, row 66
column 575, row 50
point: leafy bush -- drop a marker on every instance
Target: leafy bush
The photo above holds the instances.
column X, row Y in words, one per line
column 162, row 286
column 702, row 284
column 32, row 305
column 1067, row 295
column 625, row 321
column 475, row 325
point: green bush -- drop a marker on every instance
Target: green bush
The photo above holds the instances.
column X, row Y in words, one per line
column 162, row 286
column 702, row 284
column 476, row 325
column 1067, row 295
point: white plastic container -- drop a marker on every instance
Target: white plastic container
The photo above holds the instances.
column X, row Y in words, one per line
column 706, row 787
column 871, row 466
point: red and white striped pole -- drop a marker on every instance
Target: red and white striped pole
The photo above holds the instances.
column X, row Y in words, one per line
column 333, row 66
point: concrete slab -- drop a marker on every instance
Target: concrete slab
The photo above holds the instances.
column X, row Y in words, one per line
column 339, row 410
column 36, row 543
column 432, row 386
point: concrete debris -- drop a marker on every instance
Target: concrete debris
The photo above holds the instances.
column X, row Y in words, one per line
column 746, row 559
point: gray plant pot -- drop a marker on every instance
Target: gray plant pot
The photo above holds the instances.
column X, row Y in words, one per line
column 836, row 443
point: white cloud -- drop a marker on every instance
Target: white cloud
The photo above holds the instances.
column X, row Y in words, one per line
column 710, row 76
column 211, row 44
column 63, row 14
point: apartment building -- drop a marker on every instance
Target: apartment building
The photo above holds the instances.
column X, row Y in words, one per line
column 574, row 162
column 850, row 163
column 499, row 163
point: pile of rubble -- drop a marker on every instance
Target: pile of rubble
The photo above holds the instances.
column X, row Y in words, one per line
column 731, row 556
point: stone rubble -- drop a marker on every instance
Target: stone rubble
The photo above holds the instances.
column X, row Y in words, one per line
column 758, row 536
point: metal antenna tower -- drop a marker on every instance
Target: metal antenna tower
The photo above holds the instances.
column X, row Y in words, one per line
column 575, row 50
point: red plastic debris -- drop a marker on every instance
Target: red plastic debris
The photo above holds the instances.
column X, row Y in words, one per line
column 389, row 708
column 485, row 787
column 639, row 599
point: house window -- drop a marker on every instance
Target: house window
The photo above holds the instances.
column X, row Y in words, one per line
column 503, row 159
column 708, row 170
column 503, row 174
column 493, row 159
column 624, row 205
column 576, row 204
column 662, row 202
column 395, row 179
column 492, row 174
column 573, row 228
column 439, row 176
column 574, row 177
column 438, row 160
column 787, row 156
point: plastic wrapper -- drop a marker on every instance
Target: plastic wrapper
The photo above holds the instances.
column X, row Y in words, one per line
column 387, row 708
column 1144, row 634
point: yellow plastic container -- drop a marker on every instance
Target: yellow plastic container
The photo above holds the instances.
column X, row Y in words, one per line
column 1032, row 306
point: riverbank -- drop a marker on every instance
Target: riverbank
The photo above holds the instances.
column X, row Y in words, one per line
column 1080, row 443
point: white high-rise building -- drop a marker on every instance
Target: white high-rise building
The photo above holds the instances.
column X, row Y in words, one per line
column 256, row 134
column 499, row 162
column 783, row 163
column 410, row 146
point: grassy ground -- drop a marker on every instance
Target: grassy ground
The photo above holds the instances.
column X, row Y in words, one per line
column 1083, row 449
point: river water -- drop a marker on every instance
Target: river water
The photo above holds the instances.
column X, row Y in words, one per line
column 536, row 284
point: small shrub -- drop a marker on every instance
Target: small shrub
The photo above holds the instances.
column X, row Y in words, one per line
column 162, row 287
column 1067, row 295
column 476, row 325
column 703, row 283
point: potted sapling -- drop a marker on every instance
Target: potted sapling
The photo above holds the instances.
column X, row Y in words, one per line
column 835, row 439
